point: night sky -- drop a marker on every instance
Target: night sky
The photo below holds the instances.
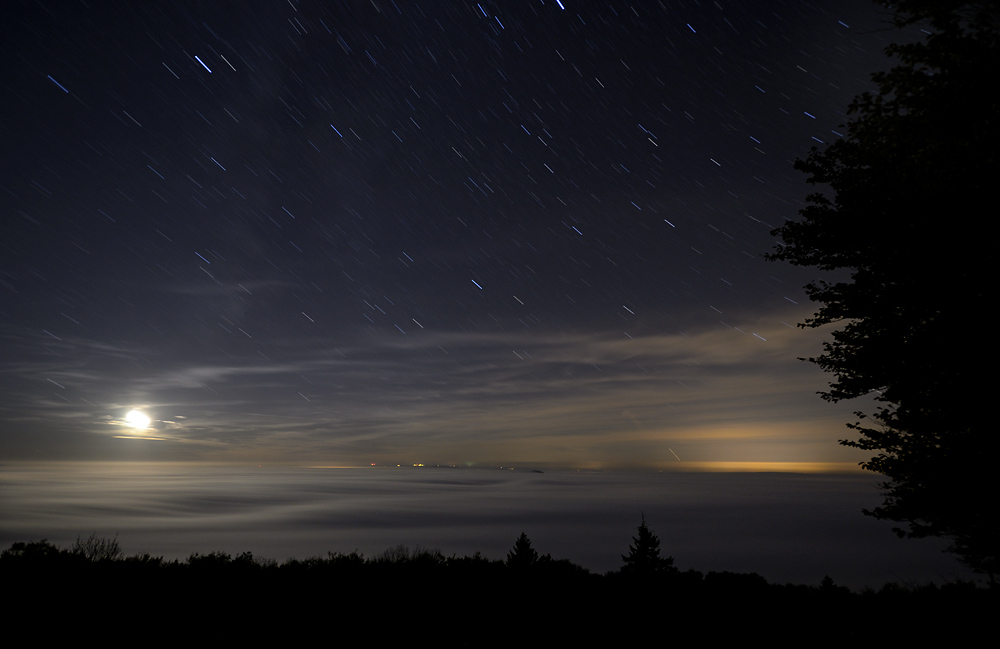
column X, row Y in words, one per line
column 344, row 233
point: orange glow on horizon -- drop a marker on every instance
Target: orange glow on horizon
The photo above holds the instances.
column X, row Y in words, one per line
column 773, row 467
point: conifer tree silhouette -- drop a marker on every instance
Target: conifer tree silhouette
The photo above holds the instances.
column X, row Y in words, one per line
column 522, row 556
column 643, row 556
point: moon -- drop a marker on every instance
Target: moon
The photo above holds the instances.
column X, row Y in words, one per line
column 137, row 419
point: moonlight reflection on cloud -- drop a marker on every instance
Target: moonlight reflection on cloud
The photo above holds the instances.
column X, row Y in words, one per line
column 532, row 238
column 137, row 420
column 545, row 248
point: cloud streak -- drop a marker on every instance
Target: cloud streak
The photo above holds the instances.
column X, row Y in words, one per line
column 451, row 397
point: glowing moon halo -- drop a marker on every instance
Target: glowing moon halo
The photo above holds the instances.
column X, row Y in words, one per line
column 136, row 419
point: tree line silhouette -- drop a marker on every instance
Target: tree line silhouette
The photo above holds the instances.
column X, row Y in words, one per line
column 468, row 601
column 901, row 197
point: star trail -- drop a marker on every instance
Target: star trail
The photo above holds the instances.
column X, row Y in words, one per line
column 298, row 238
column 462, row 233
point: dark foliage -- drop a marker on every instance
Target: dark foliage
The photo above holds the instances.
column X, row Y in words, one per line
column 98, row 548
column 911, row 183
column 522, row 556
column 464, row 601
column 643, row 556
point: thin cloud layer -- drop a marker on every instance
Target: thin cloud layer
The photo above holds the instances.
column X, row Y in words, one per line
column 443, row 397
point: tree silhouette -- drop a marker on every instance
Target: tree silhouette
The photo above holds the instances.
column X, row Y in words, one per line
column 522, row 556
column 98, row 548
column 909, row 179
column 643, row 556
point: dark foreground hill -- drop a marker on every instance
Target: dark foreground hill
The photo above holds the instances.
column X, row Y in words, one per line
column 406, row 597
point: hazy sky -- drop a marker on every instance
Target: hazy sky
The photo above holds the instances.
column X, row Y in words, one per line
column 441, row 232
